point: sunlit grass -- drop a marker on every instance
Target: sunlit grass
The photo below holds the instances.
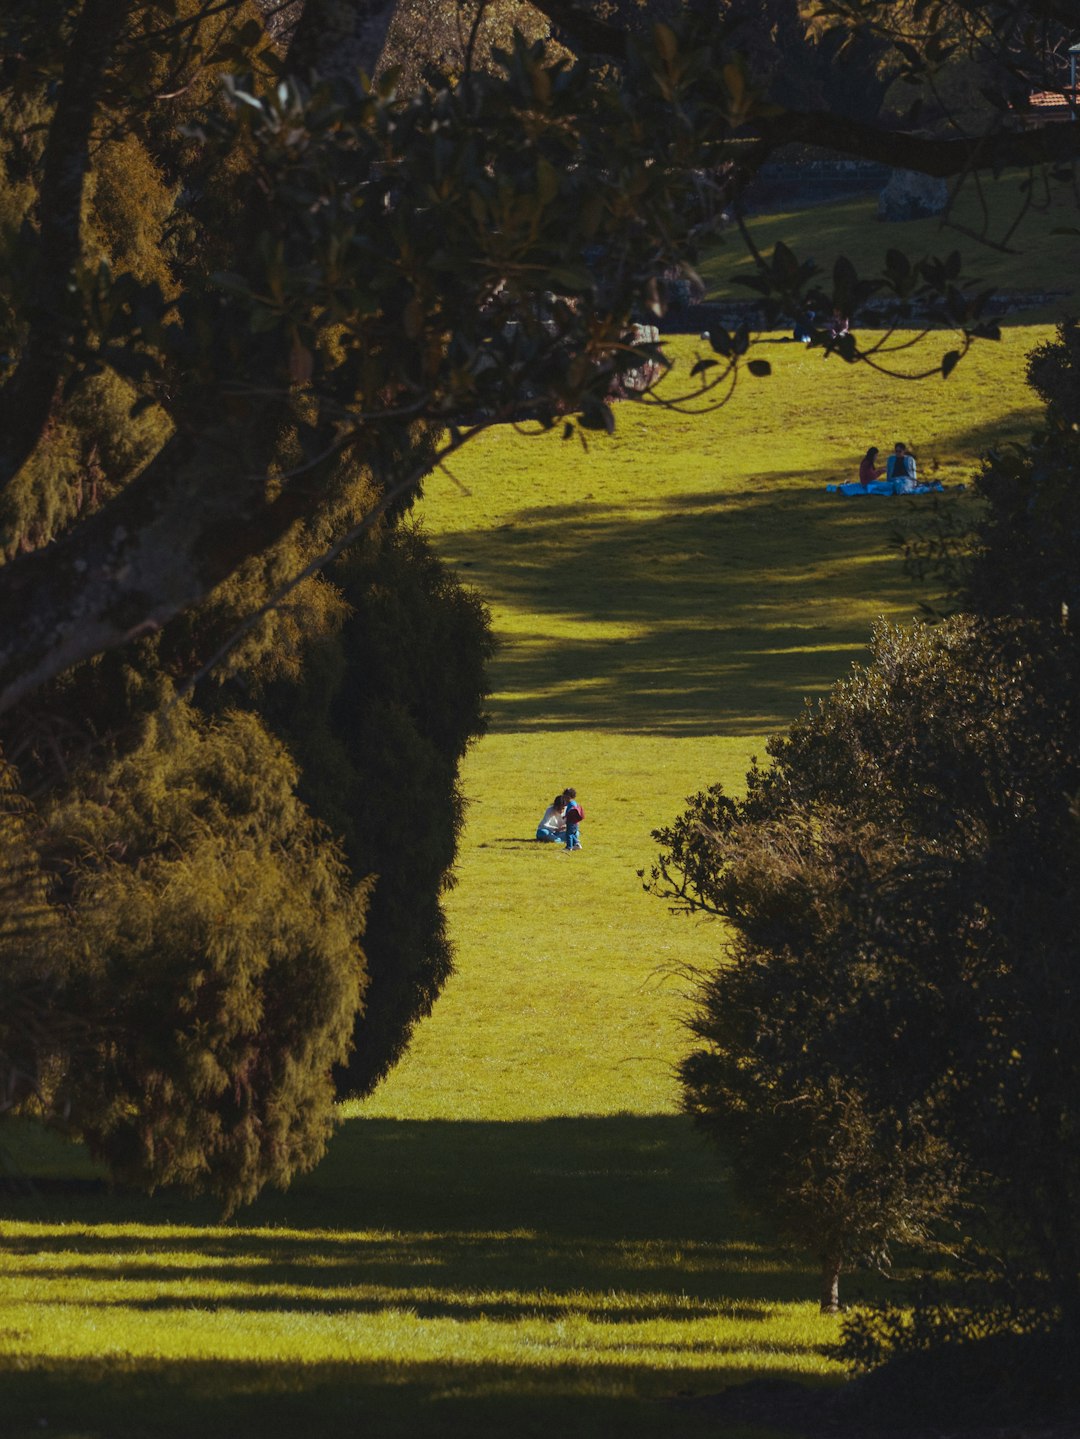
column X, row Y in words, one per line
column 200, row 1297
column 663, row 602
column 519, row 1234
column 690, row 575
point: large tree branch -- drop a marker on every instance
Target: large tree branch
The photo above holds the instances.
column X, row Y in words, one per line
column 158, row 548
column 27, row 400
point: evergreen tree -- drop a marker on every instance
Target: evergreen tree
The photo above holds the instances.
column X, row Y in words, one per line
column 220, row 970
column 384, row 711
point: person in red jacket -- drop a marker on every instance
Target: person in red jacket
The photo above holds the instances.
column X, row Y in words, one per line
column 573, row 814
column 868, row 470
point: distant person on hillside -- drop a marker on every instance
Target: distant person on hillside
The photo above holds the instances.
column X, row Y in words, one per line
column 868, row 468
column 804, row 326
column 552, row 828
column 575, row 813
column 900, row 468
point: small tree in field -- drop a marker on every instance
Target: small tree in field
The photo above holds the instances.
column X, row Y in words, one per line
column 889, row 1043
column 790, row 1027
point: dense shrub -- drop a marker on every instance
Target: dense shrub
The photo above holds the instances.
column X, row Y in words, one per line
column 379, row 721
column 221, row 960
column 903, row 885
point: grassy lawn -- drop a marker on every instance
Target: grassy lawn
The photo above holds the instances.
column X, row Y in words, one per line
column 519, row 1233
column 1031, row 258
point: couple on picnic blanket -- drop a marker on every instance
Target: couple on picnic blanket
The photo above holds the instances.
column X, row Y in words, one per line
column 900, row 477
column 561, row 820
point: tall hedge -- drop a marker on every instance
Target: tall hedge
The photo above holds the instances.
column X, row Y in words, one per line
column 379, row 721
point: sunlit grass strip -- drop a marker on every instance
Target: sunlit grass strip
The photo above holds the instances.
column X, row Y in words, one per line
column 1039, row 256
column 192, row 1317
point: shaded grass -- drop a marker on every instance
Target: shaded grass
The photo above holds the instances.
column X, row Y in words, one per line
column 518, row 1234
column 1033, row 258
column 387, row 1287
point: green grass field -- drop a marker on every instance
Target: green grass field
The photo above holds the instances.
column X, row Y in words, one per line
column 1005, row 242
column 519, row 1234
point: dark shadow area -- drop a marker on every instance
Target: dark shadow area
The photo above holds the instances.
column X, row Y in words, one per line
column 103, row 1400
column 608, row 1220
column 623, row 1205
column 718, row 613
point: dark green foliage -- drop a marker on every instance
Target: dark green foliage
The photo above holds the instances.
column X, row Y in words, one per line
column 34, row 956
column 222, row 967
column 1028, row 558
column 383, row 713
column 904, row 889
column 826, row 943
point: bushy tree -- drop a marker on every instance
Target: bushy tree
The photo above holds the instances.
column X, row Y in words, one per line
column 217, row 928
column 219, row 970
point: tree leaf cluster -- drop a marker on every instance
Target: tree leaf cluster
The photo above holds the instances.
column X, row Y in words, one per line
column 215, row 957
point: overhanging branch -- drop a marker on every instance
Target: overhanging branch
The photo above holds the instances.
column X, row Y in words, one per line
column 944, row 158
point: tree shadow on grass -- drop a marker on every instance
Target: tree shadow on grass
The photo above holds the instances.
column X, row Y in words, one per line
column 536, row 1218
column 607, row 1221
column 716, row 612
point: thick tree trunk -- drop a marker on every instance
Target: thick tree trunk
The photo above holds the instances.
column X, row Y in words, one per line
column 341, row 37
column 28, row 397
column 830, row 1285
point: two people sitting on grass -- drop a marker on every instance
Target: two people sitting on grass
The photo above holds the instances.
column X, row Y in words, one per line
column 900, row 476
column 561, row 820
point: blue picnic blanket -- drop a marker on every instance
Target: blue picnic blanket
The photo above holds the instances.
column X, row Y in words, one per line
column 885, row 487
